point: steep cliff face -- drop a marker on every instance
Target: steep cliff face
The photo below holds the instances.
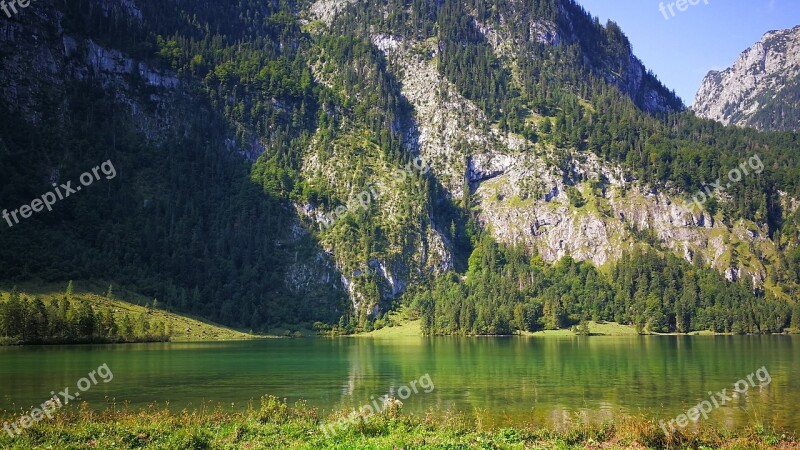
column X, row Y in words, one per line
column 610, row 55
column 44, row 58
column 40, row 58
column 760, row 90
column 411, row 248
column 521, row 187
column 347, row 218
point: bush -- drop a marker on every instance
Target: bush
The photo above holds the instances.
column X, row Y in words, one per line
column 273, row 410
column 575, row 197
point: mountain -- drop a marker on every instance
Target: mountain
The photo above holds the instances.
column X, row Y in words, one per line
column 494, row 166
column 185, row 220
column 761, row 89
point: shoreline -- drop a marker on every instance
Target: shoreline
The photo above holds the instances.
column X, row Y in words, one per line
column 596, row 329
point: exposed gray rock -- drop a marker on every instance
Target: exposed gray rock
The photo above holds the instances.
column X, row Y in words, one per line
column 736, row 94
column 520, row 187
column 326, row 10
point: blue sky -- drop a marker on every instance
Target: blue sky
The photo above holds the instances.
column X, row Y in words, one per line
column 682, row 49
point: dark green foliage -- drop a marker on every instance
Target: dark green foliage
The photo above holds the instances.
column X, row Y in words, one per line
column 779, row 112
column 182, row 221
column 188, row 221
column 32, row 321
column 582, row 329
column 467, row 59
column 575, row 197
column 665, row 293
column 507, row 290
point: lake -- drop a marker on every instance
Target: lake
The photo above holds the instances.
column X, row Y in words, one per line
column 504, row 381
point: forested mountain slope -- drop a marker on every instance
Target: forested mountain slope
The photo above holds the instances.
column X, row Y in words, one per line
column 269, row 160
column 186, row 220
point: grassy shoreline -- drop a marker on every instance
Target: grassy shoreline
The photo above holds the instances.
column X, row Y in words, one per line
column 274, row 424
column 412, row 328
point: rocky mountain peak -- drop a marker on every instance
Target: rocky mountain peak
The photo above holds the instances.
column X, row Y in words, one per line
column 760, row 90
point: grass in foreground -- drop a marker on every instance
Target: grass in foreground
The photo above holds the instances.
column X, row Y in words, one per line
column 276, row 425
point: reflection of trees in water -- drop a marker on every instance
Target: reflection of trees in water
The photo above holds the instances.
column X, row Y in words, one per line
column 377, row 368
column 539, row 380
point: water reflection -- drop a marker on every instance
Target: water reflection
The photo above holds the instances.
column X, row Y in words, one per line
column 537, row 380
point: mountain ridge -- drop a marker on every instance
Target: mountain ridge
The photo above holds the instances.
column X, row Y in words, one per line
column 760, row 89
column 557, row 142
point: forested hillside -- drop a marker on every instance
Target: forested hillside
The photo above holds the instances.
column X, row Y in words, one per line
column 182, row 221
column 507, row 290
column 69, row 319
column 234, row 128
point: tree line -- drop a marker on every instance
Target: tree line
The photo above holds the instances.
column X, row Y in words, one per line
column 31, row 320
column 510, row 289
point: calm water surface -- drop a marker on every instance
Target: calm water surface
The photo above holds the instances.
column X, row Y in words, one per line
column 538, row 380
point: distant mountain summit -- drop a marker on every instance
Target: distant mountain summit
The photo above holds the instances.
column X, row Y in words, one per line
column 761, row 90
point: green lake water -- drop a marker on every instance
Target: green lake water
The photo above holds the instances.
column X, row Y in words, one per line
column 535, row 380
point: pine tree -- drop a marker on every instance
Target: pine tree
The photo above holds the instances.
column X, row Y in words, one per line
column 126, row 327
column 796, row 317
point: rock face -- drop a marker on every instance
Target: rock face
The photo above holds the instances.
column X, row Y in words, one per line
column 521, row 188
column 556, row 200
column 760, row 90
column 39, row 56
column 29, row 47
